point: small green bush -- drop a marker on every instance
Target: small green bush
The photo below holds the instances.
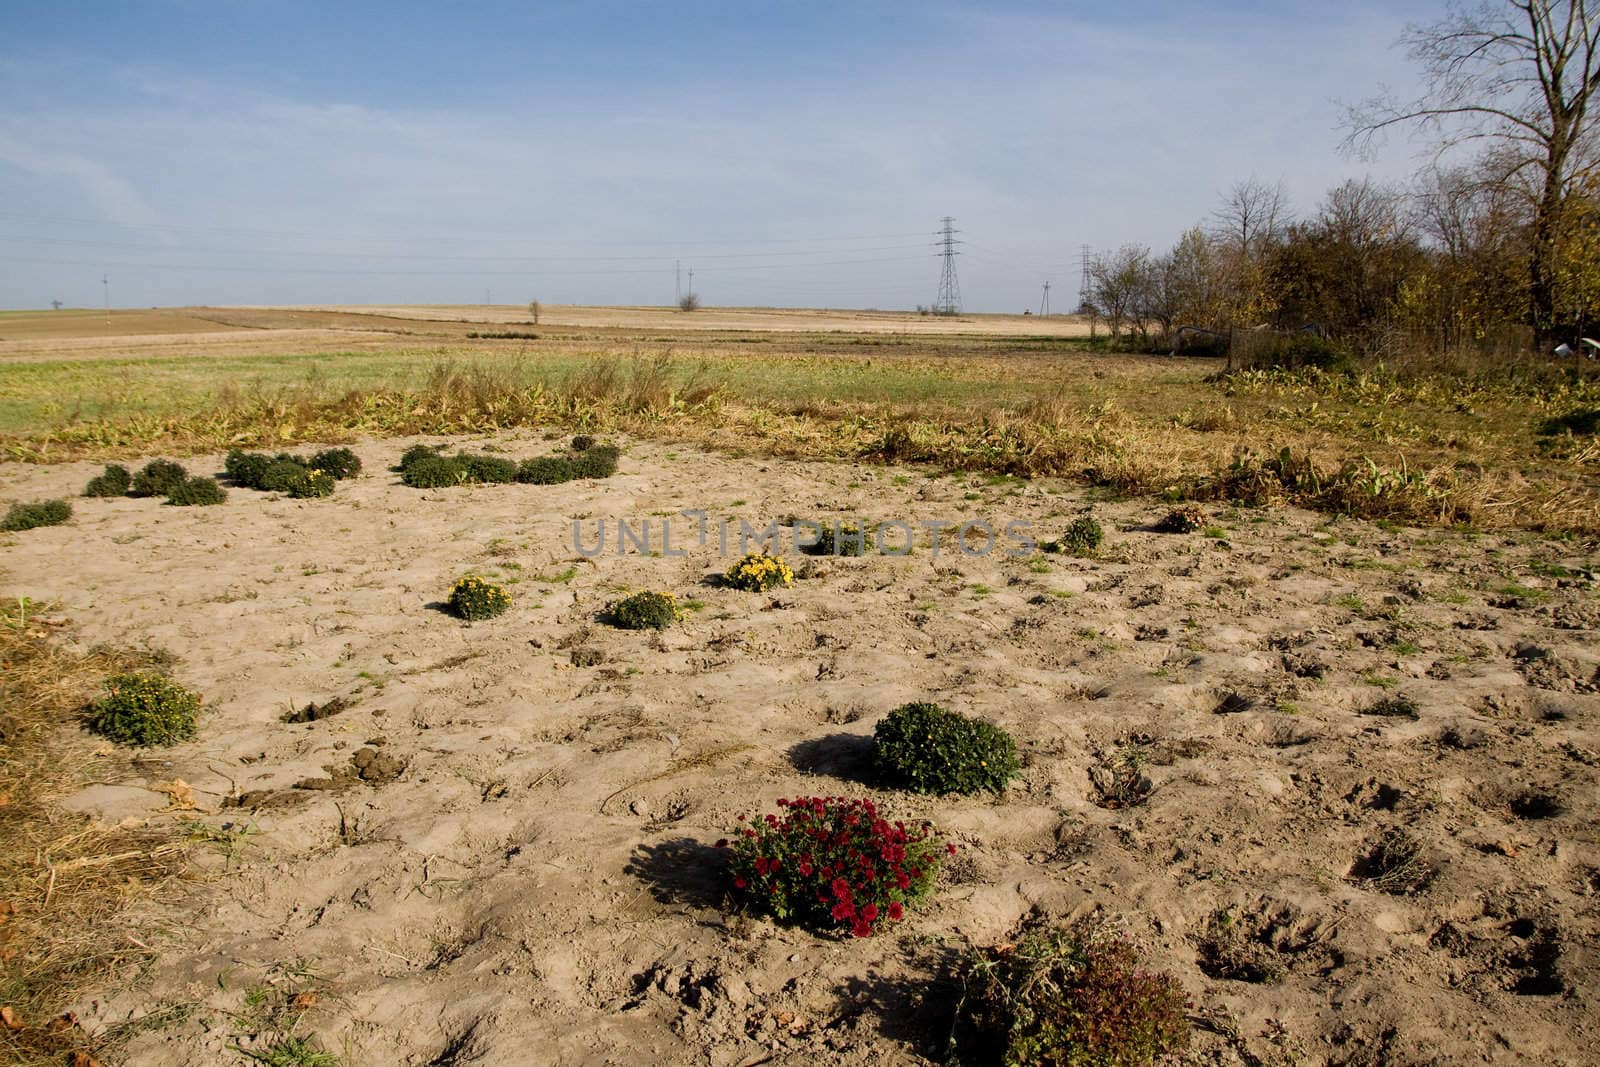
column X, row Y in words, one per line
column 245, row 469
column 645, row 611
column 31, row 516
column 310, row 484
column 417, row 452
column 1303, row 350
column 474, row 599
column 280, row 475
column 597, row 462
column 841, row 540
column 490, row 470
column 1185, row 518
column 198, row 491
column 145, row 709
column 1072, row 998
column 339, row 462
column 928, row 749
column 434, row 471
column 116, row 481
column 582, row 443
column 157, row 478
column 1082, row 537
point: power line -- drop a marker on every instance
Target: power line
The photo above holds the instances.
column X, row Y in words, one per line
column 949, row 300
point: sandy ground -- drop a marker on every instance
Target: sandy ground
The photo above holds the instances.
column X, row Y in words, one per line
column 528, row 876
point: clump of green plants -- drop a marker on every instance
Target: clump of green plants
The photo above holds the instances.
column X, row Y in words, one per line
column 830, row 863
column 433, row 471
column 1185, row 518
column 474, row 599
column 839, row 539
column 1581, row 421
column 596, row 461
column 198, row 491
column 1082, row 537
column 342, row 463
column 291, row 474
column 490, row 470
column 1078, row 997
column 1394, row 864
column 145, row 709
column 310, row 483
column 157, row 478
column 582, row 443
column 645, row 611
column 116, row 481
column 1395, row 707
column 32, row 516
column 929, row 749
column 759, row 572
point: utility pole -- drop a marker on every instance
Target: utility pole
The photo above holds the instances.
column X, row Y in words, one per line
column 691, row 281
column 1085, row 256
column 1044, row 304
column 949, row 301
column 677, row 281
column 105, row 280
column 488, row 297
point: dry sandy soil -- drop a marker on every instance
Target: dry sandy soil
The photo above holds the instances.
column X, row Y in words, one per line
column 527, row 873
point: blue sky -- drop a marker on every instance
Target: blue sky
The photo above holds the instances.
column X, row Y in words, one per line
column 265, row 151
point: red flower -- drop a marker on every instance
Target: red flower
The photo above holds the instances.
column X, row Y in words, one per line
column 869, row 912
column 950, row 849
column 902, row 879
column 739, row 883
column 844, row 910
column 861, row 929
column 895, row 910
column 806, row 868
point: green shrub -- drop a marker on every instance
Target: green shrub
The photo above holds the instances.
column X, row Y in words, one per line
column 832, row 863
column 339, row 462
column 491, row 470
column 1072, row 998
column 145, row 709
column 928, row 749
column 841, row 540
column 546, row 470
column 645, row 611
column 582, row 443
column 245, row 469
column 30, row 516
column 597, row 462
column 157, row 478
column 434, row 471
column 418, row 452
column 1185, row 518
column 310, row 484
column 474, row 599
column 116, row 481
column 1083, row 537
column 279, row 475
column 1301, row 350
column 198, row 491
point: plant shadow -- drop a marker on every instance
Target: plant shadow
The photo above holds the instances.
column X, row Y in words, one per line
column 846, row 756
column 682, row 871
column 915, row 1011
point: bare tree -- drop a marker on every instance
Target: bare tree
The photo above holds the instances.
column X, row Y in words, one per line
column 534, row 309
column 1517, row 76
column 1252, row 214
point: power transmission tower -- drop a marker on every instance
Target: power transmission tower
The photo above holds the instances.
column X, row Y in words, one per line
column 105, row 280
column 1084, row 290
column 949, row 301
column 677, row 281
column 1044, row 304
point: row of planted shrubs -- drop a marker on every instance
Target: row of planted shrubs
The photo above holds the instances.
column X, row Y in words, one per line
column 427, row 467
column 159, row 477
column 302, row 477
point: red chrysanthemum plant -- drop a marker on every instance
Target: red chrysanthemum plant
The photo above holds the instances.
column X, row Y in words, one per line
column 830, row 863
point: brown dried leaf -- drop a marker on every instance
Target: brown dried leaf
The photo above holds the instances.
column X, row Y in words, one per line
column 9, row 1019
column 303, row 1001
column 181, row 794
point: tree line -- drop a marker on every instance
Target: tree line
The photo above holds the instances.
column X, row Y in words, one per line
column 1494, row 245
